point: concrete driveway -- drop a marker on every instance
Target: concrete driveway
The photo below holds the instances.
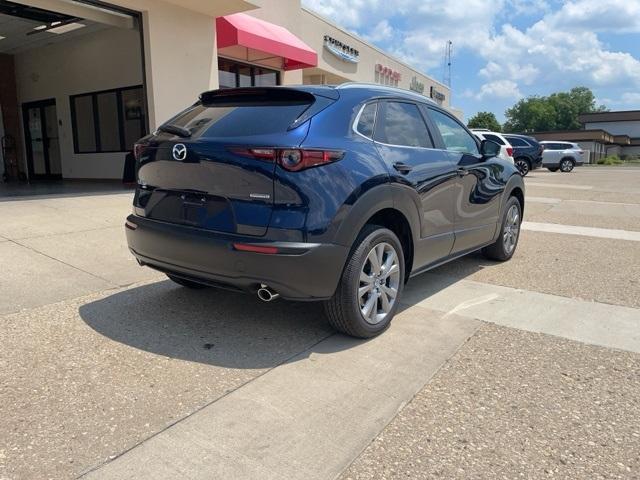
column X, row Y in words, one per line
column 107, row 370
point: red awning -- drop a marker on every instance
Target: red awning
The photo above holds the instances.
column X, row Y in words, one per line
column 266, row 38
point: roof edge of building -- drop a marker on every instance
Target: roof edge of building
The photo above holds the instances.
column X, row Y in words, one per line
column 370, row 45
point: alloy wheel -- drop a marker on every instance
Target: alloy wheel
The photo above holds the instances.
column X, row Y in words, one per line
column 523, row 166
column 566, row 166
column 511, row 229
column 379, row 283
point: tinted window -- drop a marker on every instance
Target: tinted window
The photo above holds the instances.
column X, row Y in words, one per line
column 367, row 120
column 239, row 120
column 402, row 124
column 517, row 142
column 454, row 136
column 494, row 138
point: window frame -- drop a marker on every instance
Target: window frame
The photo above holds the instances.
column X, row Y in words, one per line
column 526, row 144
column 382, row 107
column 96, row 119
column 252, row 69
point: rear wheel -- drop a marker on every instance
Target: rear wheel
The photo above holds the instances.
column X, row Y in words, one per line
column 187, row 283
column 505, row 245
column 522, row 164
column 370, row 287
column 553, row 169
column 566, row 165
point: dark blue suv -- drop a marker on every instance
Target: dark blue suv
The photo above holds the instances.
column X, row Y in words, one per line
column 337, row 194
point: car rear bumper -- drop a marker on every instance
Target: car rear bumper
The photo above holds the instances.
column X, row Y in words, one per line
column 299, row 271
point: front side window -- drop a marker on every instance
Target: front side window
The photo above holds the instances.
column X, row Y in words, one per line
column 402, row 124
column 108, row 121
column 454, row 136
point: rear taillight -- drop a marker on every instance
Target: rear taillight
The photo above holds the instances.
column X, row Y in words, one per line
column 293, row 159
column 138, row 150
column 247, row 247
column 510, row 151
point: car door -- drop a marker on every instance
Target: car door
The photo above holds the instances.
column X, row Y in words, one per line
column 429, row 175
column 479, row 183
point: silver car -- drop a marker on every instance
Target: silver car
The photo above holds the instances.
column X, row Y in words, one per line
column 563, row 156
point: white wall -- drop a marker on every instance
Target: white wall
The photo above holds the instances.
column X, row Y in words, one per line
column 631, row 129
column 102, row 60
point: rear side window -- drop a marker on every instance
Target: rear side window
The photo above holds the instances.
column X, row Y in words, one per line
column 367, row 120
column 494, row 138
column 402, row 124
column 517, row 142
column 454, row 136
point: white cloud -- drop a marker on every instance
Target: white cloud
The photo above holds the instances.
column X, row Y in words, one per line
column 506, row 89
column 561, row 49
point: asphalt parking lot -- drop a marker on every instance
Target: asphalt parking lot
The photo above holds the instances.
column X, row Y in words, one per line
column 525, row 369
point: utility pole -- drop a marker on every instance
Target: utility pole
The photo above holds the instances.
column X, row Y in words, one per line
column 446, row 74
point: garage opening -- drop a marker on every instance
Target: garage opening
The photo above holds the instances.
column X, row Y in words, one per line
column 72, row 93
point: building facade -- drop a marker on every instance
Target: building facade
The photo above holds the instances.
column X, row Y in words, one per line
column 82, row 80
column 603, row 134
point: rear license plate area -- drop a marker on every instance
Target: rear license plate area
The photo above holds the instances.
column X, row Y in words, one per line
column 193, row 209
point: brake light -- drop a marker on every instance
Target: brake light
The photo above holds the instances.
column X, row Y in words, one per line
column 292, row 159
column 245, row 247
column 510, row 151
column 138, row 150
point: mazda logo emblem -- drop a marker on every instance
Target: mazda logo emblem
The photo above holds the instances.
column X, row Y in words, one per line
column 179, row 151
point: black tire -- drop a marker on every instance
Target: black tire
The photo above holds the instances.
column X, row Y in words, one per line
column 187, row 283
column 553, row 169
column 343, row 309
column 523, row 165
column 566, row 165
column 499, row 250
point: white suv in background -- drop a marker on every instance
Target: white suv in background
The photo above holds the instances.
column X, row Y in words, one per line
column 506, row 150
column 561, row 156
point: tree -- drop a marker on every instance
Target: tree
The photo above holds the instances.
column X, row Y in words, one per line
column 558, row 111
column 485, row 120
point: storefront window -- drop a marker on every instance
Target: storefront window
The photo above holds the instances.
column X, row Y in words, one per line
column 234, row 74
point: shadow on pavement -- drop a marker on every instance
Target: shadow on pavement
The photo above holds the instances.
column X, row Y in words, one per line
column 211, row 326
column 229, row 329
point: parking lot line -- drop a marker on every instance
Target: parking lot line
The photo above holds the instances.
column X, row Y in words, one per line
column 567, row 186
column 306, row 419
column 594, row 323
column 582, row 231
column 549, row 200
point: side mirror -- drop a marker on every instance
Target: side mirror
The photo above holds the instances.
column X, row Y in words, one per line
column 489, row 149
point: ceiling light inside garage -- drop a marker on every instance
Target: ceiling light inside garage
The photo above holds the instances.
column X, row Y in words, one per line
column 2, row 38
column 69, row 27
column 40, row 27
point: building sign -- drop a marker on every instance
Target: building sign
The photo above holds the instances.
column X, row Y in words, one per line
column 436, row 95
column 416, row 86
column 387, row 72
column 340, row 50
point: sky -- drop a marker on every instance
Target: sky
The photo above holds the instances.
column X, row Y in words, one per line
column 505, row 50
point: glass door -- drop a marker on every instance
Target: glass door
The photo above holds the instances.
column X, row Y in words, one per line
column 41, row 137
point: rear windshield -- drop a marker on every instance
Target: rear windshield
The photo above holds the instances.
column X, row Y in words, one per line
column 238, row 121
column 239, row 113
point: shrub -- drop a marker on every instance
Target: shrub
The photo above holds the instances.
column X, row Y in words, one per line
column 610, row 160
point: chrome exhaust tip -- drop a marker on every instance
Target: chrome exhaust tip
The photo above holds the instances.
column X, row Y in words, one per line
column 266, row 294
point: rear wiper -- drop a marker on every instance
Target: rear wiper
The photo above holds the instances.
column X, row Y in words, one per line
column 175, row 129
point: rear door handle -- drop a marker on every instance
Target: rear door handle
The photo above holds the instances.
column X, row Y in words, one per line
column 462, row 172
column 402, row 167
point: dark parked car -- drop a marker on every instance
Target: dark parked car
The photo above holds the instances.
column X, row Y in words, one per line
column 336, row 194
column 527, row 152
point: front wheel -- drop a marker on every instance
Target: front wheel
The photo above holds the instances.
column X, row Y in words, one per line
column 523, row 166
column 566, row 165
column 369, row 291
column 505, row 245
